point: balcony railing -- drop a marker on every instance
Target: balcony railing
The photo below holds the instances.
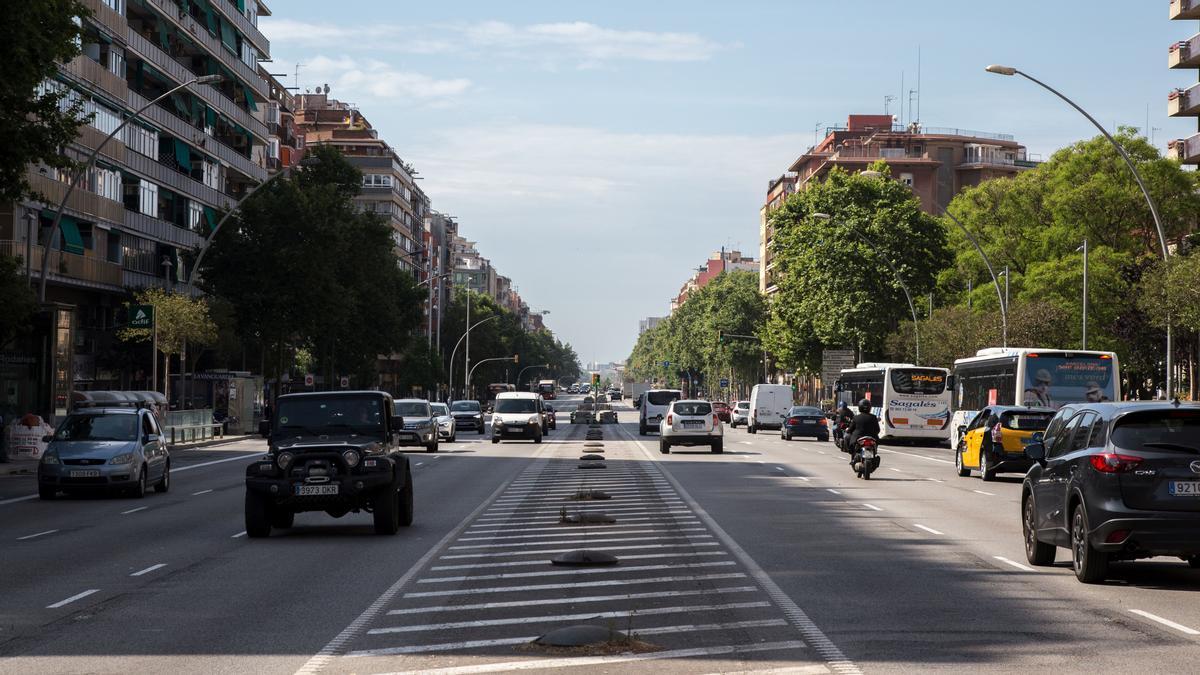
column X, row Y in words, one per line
column 1184, row 54
column 105, row 16
column 96, row 75
column 1186, row 150
column 875, row 152
column 176, row 181
column 163, row 115
column 90, row 137
column 199, row 33
column 161, row 230
column 1185, row 9
column 1184, row 102
column 249, row 30
column 85, row 203
column 68, row 266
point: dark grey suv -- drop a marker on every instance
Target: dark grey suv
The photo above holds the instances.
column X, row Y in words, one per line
column 1114, row 481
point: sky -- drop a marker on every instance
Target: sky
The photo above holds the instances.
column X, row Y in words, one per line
column 599, row 152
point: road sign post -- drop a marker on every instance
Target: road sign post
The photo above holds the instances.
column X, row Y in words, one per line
column 724, row 383
column 142, row 316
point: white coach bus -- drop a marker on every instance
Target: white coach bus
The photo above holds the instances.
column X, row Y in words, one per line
column 911, row 402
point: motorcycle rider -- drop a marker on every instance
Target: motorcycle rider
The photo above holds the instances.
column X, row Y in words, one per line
column 843, row 417
column 863, row 424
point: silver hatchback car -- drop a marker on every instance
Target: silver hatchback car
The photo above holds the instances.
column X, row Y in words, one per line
column 105, row 449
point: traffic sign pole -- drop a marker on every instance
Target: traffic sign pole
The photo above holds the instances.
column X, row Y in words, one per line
column 154, row 358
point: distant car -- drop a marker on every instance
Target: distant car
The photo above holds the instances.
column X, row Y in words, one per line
column 804, row 421
column 446, row 426
column 722, row 410
column 418, row 423
column 605, row 414
column 1114, row 481
column 654, row 408
column 584, row 412
column 105, row 449
column 740, row 414
column 614, row 396
column 518, row 414
column 690, row 422
column 468, row 415
column 994, row 441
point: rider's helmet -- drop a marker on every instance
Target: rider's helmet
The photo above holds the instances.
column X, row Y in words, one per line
column 864, row 406
column 844, row 406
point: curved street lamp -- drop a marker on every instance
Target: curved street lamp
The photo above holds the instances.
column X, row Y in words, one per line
column 522, row 371
column 91, row 160
column 1162, row 237
column 454, row 352
column 512, row 358
column 911, row 307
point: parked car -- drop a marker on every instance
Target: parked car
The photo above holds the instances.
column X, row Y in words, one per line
column 769, row 404
column 446, row 426
column 995, row 439
column 468, row 415
column 518, row 414
column 419, row 426
column 722, row 410
column 804, row 421
column 690, row 423
column 1114, row 481
column 105, row 449
column 740, row 414
column 653, row 410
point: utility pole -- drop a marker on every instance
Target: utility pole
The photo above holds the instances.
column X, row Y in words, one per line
column 467, row 364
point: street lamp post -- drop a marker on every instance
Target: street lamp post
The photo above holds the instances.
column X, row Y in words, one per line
column 522, row 371
column 908, row 296
column 1162, row 237
column 471, row 372
column 91, row 160
column 1084, row 249
column 454, row 352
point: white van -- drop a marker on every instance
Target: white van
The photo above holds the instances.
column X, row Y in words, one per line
column 769, row 405
column 654, row 407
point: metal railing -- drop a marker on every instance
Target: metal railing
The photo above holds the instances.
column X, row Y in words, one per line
column 96, row 75
column 199, row 33
column 81, row 201
column 68, row 266
column 181, row 128
column 243, row 24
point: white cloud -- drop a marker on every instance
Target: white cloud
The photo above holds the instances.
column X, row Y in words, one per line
column 350, row 79
column 585, row 43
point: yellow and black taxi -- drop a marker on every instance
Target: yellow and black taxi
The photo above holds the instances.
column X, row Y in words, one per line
column 995, row 439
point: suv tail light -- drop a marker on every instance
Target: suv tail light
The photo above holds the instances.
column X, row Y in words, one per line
column 1111, row 462
column 997, row 433
column 716, row 420
column 670, row 420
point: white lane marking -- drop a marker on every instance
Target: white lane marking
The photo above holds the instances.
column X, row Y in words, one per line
column 780, row 468
column 584, row 661
column 189, row 467
column 140, row 508
column 554, row 506
column 527, row 563
column 930, row 530
column 498, row 642
column 833, row 491
column 352, row 631
column 148, row 570
column 808, row 629
column 745, row 442
column 892, row 468
column 803, row 478
column 932, row 459
column 581, row 584
column 559, row 542
column 1013, row 563
column 572, row 600
column 786, row 670
column 202, row 492
column 239, row 534
column 638, row 547
column 73, row 598
column 936, row 480
column 548, row 538
column 760, row 461
column 983, row 492
column 437, row 456
column 649, row 611
column 669, row 517
column 35, row 536
column 558, row 572
column 14, row 500
column 821, row 452
column 872, row 507
column 420, row 464
column 1166, row 622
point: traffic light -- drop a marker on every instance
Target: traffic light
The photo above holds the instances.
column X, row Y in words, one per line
column 721, row 337
column 595, row 381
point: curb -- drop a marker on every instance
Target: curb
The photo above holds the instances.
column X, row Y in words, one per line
column 209, row 443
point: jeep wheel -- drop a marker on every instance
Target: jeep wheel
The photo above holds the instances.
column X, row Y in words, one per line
column 406, row 499
column 258, row 515
column 281, row 519
column 387, row 511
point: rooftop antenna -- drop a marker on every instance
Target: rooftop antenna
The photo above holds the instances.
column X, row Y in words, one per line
column 918, row 84
column 297, row 80
column 902, row 98
column 816, row 128
column 887, row 100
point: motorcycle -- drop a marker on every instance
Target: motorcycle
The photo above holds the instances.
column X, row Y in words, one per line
column 865, row 459
column 839, row 434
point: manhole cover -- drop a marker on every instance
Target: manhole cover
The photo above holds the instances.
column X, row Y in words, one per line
column 579, row 636
column 583, row 558
column 588, row 517
column 588, row 458
column 593, row 465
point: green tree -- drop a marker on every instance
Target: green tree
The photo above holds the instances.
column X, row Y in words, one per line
column 957, row 332
column 179, row 320
column 17, row 298
column 35, row 127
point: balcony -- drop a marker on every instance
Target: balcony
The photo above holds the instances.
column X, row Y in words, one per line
column 1184, row 102
column 161, row 230
column 90, row 137
column 1184, row 54
column 198, row 33
column 870, row 153
column 176, row 181
column 97, row 76
column 177, row 127
column 87, row 204
column 1185, row 9
column 83, row 270
column 1185, row 150
column 105, row 16
column 247, row 29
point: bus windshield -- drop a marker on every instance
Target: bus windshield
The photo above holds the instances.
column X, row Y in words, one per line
column 918, row 381
column 1053, row 380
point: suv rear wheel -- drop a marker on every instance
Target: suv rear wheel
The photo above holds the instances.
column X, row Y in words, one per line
column 406, row 499
column 433, row 445
column 164, row 483
column 1091, row 566
column 258, row 515
column 386, row 511
column 1036, row 552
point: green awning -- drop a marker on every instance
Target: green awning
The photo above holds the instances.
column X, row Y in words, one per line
column 72, row 240
column 210, row 117
column 162, row 36
column 209, row 17
column 210, row 217
column 249, row 99
column 183, row 154
column 228, row 37
column 241, row 6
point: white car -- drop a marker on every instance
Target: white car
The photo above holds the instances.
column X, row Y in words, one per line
column 740, row 414
column 446, row 426
column 518, row 414
column 654, row 407
column 691, row 422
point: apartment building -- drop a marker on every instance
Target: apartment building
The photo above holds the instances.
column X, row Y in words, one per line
column 285, row 143
column 155, row 190
column 649, row 323
column 717, row 263
column 1185, row 101
column 935, row 162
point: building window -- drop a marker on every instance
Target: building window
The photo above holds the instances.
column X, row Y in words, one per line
column 376, row 180
column 907, row 179
column 113, row 254
column 117, row 6
column 273, row 112
column 116, row 61
column 105, row 182
column 212, row 174
column 148, row 198
column 273, row 147
column 195, row 215
column 142, row 140
column 139, row 255
column 249, row 54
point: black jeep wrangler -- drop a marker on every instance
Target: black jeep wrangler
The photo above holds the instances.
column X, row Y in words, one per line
column 335, row 452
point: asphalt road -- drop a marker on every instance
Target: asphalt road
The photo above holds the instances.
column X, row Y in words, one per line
column 770, row 557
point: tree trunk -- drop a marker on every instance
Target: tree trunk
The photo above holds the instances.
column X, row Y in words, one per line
column 167, row 378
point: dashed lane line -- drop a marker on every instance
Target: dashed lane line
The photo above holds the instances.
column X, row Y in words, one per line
column 872, row 507
column 36, row 535
column 1013, row 563
column 574, row 600
column 984, row 492
column 833, row 491
column 201, row 492
column 930, row 530
column 140, row 508
column 73, row 598
column 1166, row 622
column 239, row 535
column 148, row 570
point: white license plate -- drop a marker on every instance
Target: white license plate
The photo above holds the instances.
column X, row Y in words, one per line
column 1184, row 488
column 309, row 490
column 86, row 473
column 693, row 424
column 812, row 420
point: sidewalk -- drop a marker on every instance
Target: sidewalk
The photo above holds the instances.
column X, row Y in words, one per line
column 29, row 466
